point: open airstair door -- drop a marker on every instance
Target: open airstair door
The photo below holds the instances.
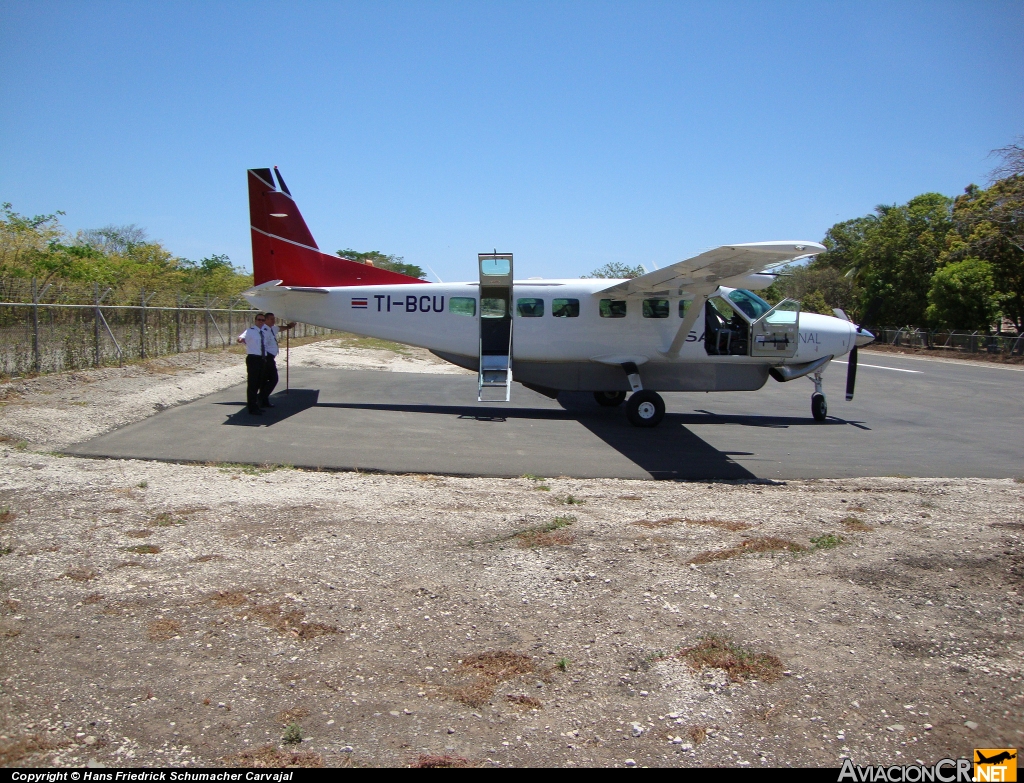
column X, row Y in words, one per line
column 495, row 378
column 777, row 332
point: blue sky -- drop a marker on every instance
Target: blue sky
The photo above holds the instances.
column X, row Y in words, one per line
column 571, row 134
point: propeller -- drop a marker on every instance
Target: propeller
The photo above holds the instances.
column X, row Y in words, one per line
column 851, row 371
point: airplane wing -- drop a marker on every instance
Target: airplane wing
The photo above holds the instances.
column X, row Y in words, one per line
column 709, row 270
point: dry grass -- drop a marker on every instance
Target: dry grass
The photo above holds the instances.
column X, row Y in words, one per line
column 856, row 525
column 630, row 497
column 719, row 523
column 657, row 522
column 294, row 715
column 207, row 558
column 92, row 598
column 550, row 534
column 440, row 762
column 524, row 701
column 765, row 544
column 270, row 757
column 283, row 619
column 13, row 751
column 483, row 672
column 229, row 598
column 6, row 515
column 143, row 549
column 289, row 621
column 717, row 652
column 163, row 629
column 697, row 734
column 545, row 538
column 79, row 574
column 139, row 533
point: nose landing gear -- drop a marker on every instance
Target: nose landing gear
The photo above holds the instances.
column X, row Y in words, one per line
column 819, row 406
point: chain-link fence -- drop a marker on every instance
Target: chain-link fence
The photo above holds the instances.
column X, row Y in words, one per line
column 953, row 341
column 48, row 331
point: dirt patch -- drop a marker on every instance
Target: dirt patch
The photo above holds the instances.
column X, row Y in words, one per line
column 139, row 533
column 522, row 700
column 143, row 549
column 79, row 574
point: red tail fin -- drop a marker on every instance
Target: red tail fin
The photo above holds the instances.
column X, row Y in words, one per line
column 283, row 248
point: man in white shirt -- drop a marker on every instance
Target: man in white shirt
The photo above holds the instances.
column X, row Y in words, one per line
column 255, row 339
column 270, row 377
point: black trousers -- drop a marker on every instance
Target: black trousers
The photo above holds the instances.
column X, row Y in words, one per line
column 270, row 378
column 254, row 368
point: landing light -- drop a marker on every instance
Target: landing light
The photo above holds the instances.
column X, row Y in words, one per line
column 278, row 214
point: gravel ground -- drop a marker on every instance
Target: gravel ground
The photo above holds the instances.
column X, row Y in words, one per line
column 158, row 614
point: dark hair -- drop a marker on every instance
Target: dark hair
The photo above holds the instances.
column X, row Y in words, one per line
column 258, row 315
column 268, row 314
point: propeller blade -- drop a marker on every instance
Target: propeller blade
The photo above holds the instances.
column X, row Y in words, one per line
column 851, row 373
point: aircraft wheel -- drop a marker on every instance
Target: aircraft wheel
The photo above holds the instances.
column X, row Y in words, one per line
column 645, row 409
column 819, row 408
column 610, row 399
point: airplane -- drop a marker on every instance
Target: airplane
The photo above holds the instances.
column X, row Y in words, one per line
column 695, row 325
column 996, row 759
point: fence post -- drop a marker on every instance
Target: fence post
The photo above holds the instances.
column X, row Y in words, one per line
column 142, row 324
column 35, row 327
column 206, row 322
column 231, row 304
column 96, row 325
column 177, row 324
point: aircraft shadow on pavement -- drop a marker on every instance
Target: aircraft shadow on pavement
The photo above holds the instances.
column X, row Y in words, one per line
column 286, row 405
column 669, row 451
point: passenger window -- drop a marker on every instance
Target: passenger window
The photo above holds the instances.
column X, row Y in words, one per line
column 530, row 308
column 684, row 306
column 462, row 305
column 656, row 308
column 565, row 308
column 613, row 308
column 750, row 303
column 492, row 308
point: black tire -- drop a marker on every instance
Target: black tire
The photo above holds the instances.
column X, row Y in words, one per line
column 610, row 399
column 819, row 408
column 645, row 409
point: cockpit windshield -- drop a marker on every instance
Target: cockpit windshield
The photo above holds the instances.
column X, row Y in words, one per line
column 750, row 303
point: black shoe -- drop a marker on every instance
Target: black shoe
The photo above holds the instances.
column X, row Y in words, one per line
column 255, row 412
column 268, row 404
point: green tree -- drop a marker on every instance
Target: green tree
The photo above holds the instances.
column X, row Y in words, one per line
column 380, row 261
column 990, row 226
column 614, row 270
column 963, row 295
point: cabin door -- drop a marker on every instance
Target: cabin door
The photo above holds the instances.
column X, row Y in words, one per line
column 776, row 334
column 495, row 378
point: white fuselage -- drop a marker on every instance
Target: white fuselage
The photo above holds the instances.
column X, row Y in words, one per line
column 577, row 353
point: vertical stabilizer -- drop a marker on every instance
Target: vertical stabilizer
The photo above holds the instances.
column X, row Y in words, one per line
column 284, row 249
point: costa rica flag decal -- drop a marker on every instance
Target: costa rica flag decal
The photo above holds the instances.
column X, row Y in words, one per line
column 359, row 303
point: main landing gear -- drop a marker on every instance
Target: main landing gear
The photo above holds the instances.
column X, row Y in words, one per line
column 645, row 409
column 819, row 406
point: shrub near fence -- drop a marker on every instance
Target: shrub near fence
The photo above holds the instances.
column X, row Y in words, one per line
column 53, row 331
column 952, row 341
